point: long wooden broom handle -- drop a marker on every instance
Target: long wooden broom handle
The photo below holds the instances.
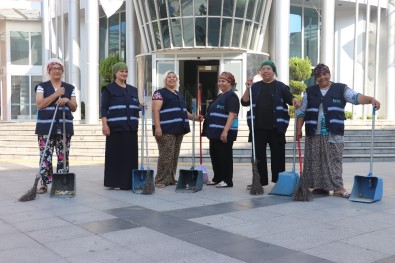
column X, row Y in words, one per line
column 300, row 156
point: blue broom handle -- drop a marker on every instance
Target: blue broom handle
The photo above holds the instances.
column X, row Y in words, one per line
column 145, row 126
column 142, row 134
column 294, row 145
column 252, row 125
column 372, row 140
column 193, row 132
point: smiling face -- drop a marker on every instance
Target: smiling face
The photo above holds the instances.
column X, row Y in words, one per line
column 267, row 73
column 171, row 80
column 55, row 71
column 223, row 84
column 121, row 75
column 323, row 80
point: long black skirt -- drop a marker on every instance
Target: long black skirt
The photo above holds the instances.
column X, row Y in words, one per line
column 121, row 158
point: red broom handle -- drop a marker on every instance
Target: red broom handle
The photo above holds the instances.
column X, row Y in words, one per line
column 300, row 156
column 200, row 123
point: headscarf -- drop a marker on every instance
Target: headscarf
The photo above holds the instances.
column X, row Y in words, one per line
column 228, row 77
column 118, row 67
column 321, row 69
column 271, row 64
column 51, row 62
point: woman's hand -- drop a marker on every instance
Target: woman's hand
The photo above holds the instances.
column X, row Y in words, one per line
column 158, row 133
column 224, row 136
column 62, row 101
column 106, row 130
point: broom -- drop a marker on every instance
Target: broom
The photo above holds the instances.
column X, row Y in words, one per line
column 149, row 187
column 302, row 193
column 256, row 186
column 31, row 194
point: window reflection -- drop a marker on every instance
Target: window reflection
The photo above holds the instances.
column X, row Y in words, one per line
column 36, row 48
column 113, row 34
column 187, row 8
column 152, row 9
column 240, row 8
column 174, row 8
column 176, row 32
column 250, row 9
column 200, row 31
column 19, row 42
column 187, row 24
column 157, row 33
column 311, row 34
column 165, row 33
column 213, row 33
column 236, row 38
column 246, row 34
column 228, row 8
column 295, row 32
column 200, row 7
column 226, row 32
column 214, row 7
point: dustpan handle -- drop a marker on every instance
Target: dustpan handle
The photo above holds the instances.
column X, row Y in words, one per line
column 142, row 133
column 294, row 142
column 145, row 128
column 64, row 140
column 372, row 140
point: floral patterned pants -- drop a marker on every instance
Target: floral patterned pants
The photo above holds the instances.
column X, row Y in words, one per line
column 46, row 169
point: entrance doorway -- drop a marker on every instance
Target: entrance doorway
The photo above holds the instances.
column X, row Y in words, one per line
column 203, row 74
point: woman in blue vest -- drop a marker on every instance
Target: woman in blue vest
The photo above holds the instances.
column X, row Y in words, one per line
column 170, row 123
column 49, row 95
column 270, row 112
column 322, row 111
column 221, row 126
column 120, row 113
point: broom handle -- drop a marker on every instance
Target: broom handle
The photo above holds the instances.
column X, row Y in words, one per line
column 64, row 139
column 294, row 143
column 193, row 132
column 252, row 125
column 300, row 157
column 372, row 139
column 46, row 142
column 200, row 123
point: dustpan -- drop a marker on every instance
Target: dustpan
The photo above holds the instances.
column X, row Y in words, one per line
column 201, row 167
column 368, row 189
column 287, row 182
column 63, row 183
column 142, row 177
column 190, row 181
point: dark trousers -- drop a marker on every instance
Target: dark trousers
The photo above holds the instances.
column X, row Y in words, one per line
column 222, row 160
column 276, row 143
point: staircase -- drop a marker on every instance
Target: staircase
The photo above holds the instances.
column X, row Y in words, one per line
column 18, row 141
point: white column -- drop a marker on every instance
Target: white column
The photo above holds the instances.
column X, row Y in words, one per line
column 92, row 62
column 282, row 40
column 389, row 104
column 328, row 31
column 131, row 38
column 45, row 32
column 74, row 52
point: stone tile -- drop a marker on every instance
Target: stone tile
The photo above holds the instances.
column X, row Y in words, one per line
column 344, row 253
column 87, row 217
column 6, row 229
column 218, row 220
column 104, row 226
column 56, row 234
column 38, row 224
column 112, row 254
column 17, row 240
column 386, row 260
column 35, row 254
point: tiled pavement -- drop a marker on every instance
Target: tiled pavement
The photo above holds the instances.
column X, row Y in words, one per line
column 212, row 225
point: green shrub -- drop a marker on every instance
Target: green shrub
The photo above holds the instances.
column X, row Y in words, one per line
column 348, row 115
column 105, row 68
column 299, row 68
column 297, row 87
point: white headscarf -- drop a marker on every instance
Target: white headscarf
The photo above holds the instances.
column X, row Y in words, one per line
column 50, row 62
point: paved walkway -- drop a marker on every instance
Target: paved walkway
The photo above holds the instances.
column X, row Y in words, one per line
column 212, row 225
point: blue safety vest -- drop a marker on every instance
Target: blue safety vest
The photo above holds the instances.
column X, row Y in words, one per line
column 217, row 116
column 44, row 116
column 123, row 110
column 173, row 114
column 280, row 108
column 333, row 104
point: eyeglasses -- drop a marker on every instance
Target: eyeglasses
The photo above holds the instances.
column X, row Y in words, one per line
column 57, row 69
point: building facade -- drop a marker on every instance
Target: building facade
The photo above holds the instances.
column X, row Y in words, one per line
column 198, row 39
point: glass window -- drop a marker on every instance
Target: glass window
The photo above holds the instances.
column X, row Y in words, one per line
column 214, row 7
column 200, row 31
column 246, row 31
column 240, row 8
column 174, row 8
column 213, row 33
column 259, row 11
column 123, row 35
column 102, row 37
column 311, row 32
column 19, row 42
column 187, row 8
column 176, row 32
column 187, row 24
column 36, row 47
column 254, row 35
column 164, row 25
column 35, row 80
column 113, row 34
column 20, row 97
column 200, row 7
column 250, row 9
column 295, row 32
column 228, row 8
column 152, row 9
column 226, row 32
column 3, row 60
column 155, row 26
column 162, row 9
column 237, row 33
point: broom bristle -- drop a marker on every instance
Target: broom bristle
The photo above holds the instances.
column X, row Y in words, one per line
column 256, row 187
column 31, row 194
column 149, row 187
column 302, row 193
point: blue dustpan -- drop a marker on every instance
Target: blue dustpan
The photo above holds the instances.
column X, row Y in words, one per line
column 368, row 189
column 287, row 182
